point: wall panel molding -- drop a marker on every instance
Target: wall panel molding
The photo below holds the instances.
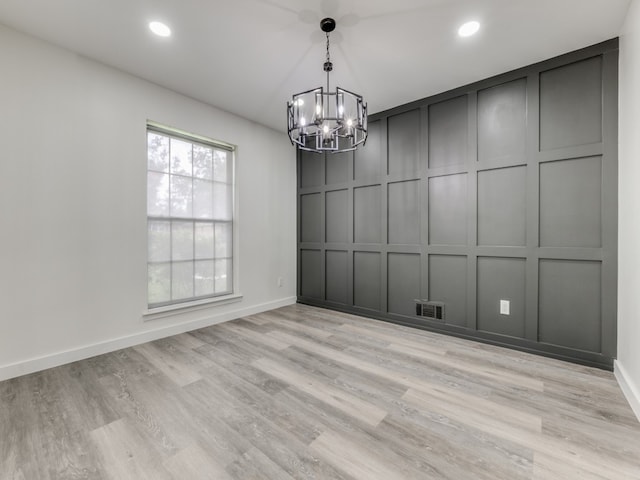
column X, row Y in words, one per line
column 500, row 190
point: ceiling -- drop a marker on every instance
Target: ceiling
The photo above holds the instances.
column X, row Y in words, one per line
column 249, row 56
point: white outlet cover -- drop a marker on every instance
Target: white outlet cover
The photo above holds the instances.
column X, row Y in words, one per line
column 505, row 307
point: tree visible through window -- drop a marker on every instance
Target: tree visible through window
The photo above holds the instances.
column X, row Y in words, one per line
column 189, row 218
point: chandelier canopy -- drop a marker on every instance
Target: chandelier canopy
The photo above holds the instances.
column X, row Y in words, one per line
column 320, row 120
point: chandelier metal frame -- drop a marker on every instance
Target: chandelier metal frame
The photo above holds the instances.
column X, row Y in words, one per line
column 320, row 120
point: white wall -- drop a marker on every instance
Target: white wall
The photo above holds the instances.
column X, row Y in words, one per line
column 73, row 200
column 627, row 367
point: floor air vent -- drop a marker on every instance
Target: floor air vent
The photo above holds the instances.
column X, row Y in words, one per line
column 430, row 310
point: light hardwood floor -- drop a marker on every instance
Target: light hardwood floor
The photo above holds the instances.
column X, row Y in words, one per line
column 301, row 393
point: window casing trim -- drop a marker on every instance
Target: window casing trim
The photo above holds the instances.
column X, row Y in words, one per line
column 189, row 306
column 189, row 137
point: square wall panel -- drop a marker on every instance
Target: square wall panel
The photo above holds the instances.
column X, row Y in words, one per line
column 570, row 203
column 448, row 210
column 337, row 203
column 338, row 167
column 404, row 143
column 571, row 105
column 336, row 274
column 367, row 221
column 310, row 218
column 448, row 131
column 501, row 279
column 502, row 196
column 311, row 169
column 368, row 158
column 404, row 212
column 569, row 307
column 366, row 280
column 311, row 274
column 403, row 283
column 448, row 284
column 502, row 121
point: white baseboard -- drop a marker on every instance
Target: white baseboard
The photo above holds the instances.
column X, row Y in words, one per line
column 60, row 358
column 629, row 389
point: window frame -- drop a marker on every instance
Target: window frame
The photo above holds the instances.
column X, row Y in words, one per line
column 160, row 309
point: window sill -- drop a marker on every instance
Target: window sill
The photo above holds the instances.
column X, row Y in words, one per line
column 170, row 310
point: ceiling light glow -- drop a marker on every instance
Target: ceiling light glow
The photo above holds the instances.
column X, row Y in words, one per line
column 468, row 29
column 160, row 29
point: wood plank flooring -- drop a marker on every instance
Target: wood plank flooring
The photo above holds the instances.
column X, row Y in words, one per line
column 306, row 393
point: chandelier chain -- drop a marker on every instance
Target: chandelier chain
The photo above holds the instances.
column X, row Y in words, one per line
column 328, row 56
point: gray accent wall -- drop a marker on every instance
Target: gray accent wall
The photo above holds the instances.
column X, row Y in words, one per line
column 505, row 189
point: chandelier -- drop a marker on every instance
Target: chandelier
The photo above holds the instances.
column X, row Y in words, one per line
column 320, row 120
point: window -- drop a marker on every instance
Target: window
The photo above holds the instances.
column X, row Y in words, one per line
column 189, row 218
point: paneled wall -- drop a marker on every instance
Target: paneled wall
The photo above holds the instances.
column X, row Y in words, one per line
column 501, row 190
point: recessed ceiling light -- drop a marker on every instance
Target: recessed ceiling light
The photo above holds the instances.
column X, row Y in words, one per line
column 468, row 29
column 160, row 29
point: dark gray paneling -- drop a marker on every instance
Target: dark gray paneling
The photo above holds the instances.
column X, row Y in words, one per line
column 311, row 169
column 311, row 273
column 336, row 227
column 609, row 204
column 368, row 159
column 570, row 304
column 310, row 215
column 448, row 133
column 501, row 279
column 336, row 276
column 338, row 167
column 570, row 203
column 403, row 286
column 403, row 223
column 448, row 284
column 481, row 189
column 502, row 122
column 502, row 206
column 571, row 104
column 366, row 280
column 404, row 143
column 448, row 210
column 367, row 209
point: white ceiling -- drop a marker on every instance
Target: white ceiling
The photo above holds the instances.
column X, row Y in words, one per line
column 249, row 56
